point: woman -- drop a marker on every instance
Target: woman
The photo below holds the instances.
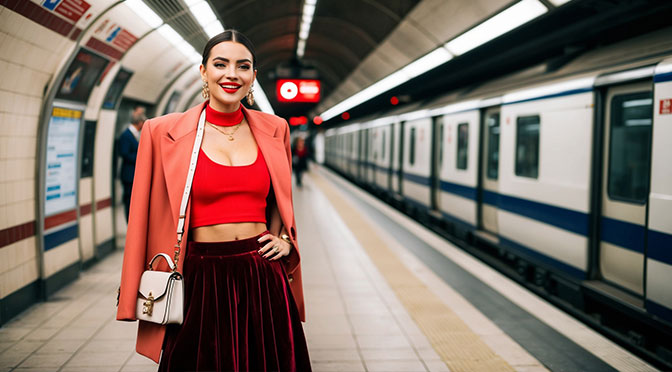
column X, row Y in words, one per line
column 239, row 256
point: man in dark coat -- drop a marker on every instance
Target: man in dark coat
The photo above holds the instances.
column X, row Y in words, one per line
column 128, row 150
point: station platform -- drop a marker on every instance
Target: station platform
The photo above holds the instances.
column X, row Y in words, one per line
column 383, row 293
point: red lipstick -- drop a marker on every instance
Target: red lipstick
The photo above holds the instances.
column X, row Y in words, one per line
column 230, row 87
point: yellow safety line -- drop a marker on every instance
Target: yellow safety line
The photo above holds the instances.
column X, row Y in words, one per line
column 459, row 347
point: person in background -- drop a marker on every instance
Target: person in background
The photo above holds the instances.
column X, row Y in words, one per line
column 300, row 159
column 128, row 150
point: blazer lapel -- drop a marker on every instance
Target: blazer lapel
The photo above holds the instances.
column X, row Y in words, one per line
column 271, row 146
column 176, row 146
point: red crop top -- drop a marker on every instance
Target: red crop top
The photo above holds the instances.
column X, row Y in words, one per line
column 227, row 194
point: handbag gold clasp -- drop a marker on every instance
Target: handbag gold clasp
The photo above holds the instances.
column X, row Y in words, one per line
column 148, row 306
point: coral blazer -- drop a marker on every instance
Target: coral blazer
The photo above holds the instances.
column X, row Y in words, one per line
column 160, row 174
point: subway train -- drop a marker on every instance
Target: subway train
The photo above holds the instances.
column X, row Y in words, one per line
column 562, row 176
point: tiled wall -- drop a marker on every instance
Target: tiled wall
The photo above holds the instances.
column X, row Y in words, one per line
column 30, row 55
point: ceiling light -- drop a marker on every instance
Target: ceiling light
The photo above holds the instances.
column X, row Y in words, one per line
column 559, row 2
column 203, row 13
column 505, row 21
column 261, row 99
column 214, row 28
column 427, row 62
column 413, row 69
column 145, row 13
column 304, row 28
column 301, row 48
column 178, row 42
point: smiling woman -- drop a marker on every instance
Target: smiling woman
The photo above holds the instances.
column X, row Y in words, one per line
column 240, row 261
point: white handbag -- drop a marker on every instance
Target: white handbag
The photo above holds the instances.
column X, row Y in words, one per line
column 161, row 293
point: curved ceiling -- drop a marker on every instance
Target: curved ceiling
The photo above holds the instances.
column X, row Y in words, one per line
column 342, row 34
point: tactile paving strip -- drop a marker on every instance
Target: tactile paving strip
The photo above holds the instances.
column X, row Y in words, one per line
column 459, row 347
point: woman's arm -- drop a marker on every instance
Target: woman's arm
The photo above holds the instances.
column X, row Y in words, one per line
column 135, row 250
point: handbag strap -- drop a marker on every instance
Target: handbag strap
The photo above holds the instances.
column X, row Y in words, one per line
column 187, row 186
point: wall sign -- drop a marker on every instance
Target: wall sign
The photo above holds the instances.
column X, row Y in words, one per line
column 61, row 166
column 298, row 90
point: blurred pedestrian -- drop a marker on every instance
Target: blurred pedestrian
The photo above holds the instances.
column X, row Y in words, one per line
column 299, row 159
column 128, row 150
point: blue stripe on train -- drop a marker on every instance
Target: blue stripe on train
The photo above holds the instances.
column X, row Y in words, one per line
column 660, row 247
column 623, row 234
column 658, row 310
column 660, row 78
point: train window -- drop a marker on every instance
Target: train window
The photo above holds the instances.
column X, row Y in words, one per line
column 411, row 147
column 527, row 146
column 492, row 125
column 629, row 146
column 462, row 145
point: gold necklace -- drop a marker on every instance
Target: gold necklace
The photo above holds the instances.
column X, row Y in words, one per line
column 230, row 134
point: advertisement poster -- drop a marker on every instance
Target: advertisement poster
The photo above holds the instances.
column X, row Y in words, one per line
column 61, row 166
column 81, row 76
column 114, row 93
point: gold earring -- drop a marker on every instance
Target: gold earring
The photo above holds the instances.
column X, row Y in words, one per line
column 250, row 97
column 206, row 91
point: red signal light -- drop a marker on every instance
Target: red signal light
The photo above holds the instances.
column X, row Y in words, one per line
column 298, row 120
column 394, row 100
column 317, row 120
column 345, row 115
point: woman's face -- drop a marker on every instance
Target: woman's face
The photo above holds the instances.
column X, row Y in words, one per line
column 229, row 75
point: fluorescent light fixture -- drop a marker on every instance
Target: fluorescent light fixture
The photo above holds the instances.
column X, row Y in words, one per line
column 203, row 13
column 214, row 28
column 261, row 99
column 505, row 21
column 304, row 29
column 413, row 69
column 178, row 42
column 205, row 16
column 169, row 34
column 145, row 13
column 301, row 48
column 427, row 62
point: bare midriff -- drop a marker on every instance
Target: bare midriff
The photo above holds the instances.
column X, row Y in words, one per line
column 227, row 231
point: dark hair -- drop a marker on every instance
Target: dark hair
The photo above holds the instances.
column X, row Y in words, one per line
column 229, row 35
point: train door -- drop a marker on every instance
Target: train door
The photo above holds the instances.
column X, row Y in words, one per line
column 490, row 171
column 435, row 162
column 628, row 117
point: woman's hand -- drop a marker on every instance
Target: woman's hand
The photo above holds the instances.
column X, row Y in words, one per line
column 275, row 248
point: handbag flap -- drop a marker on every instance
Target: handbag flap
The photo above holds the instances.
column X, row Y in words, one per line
column 156, row 283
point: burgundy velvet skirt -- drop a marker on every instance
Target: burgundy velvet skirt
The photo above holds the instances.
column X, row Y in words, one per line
column 239, row 313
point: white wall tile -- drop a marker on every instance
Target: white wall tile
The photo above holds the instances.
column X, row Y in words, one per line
column 103, row 225
column 60, row 257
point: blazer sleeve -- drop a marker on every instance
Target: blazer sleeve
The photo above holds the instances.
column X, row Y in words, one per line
column 293, row 259
column 135, row 251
